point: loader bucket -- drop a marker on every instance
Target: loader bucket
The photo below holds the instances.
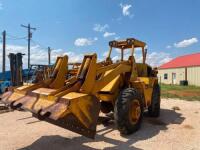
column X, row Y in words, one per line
column 11, row 96
column 23, row 94
column 34, row 102
column 15, row 94
column 77, row 112
column 42, row 98
column 25, row 102
column 5, row 96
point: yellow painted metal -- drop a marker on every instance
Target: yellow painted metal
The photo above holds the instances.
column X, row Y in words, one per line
column 57, row 80
column 41, row 103
column 28, row 87
column 141, row 69
column 109, row 54
column 149, row 81
column 90, row 77
column 145, row 80
column 113, row 85
column 44, row 97
column 75, row 103
column 15, row 96
column 135, row 111
column 110, row 91
column 128, row 43
column 148, row 96
column 146, row 86
column 120, row 69
column 83, row 106
column 44, row 91
column 59, row 72
column 134, row 72
column 108, row 97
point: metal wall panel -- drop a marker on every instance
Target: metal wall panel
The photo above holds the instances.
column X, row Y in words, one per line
column 179, row 73
column 193, row 75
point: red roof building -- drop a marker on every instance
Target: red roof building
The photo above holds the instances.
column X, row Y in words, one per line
column 183, row 61
column 183, row 69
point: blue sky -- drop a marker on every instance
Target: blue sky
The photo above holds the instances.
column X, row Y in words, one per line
column 74, row 27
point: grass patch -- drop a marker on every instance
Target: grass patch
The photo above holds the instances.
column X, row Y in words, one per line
column 190, row 93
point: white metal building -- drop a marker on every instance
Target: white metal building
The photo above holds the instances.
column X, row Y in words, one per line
column 183, row 68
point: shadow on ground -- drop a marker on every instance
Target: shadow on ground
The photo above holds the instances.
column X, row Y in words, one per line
column 150, row 128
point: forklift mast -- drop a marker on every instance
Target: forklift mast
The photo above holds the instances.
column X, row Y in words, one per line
column 16, row 68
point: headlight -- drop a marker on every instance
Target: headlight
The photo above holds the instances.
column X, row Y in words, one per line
column 129, row 41
column 113, row 43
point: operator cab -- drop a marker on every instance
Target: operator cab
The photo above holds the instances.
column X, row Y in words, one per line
column 124, row 45
column 131, row 44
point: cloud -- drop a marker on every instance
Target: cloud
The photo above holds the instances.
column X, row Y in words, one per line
column 1, row 6
column 103, row 28
column 186, row 43
column 107, row 34
column 115, row 58
column 168, row 46
column 126, row 9
column 100, row 28
column 126, row 52
column 117, row 37
column 118, row 50
column 38, row 55
column 156, row 59
column 105, row 54
column 95, row 39
column 84, row 41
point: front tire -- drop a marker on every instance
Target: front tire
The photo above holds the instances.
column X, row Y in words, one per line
column 154, row 108
column 128, row 111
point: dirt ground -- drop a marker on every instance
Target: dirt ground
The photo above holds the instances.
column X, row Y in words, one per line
column 185, row 93
column 178, row 128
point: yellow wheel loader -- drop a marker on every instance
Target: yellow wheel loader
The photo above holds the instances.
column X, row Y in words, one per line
column 125, row 87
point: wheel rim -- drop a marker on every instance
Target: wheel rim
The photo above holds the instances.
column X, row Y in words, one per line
column 135, row 111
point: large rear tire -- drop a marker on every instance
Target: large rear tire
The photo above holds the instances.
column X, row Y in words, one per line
column 154, row 108
column 128, row 111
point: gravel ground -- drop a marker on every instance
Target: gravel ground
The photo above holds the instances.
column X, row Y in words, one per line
column 178, row 128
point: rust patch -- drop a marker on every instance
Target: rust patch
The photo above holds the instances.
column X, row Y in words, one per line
column 176, row 108
column 4, row 109
column 187, row 126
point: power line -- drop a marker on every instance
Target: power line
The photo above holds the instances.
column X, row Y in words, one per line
column 14, row 38
column 38, row 43
column 29, row 38
column 44, row 47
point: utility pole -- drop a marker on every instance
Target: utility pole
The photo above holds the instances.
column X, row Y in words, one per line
column 29, row 40
column 49, row 55
column 4, row 55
